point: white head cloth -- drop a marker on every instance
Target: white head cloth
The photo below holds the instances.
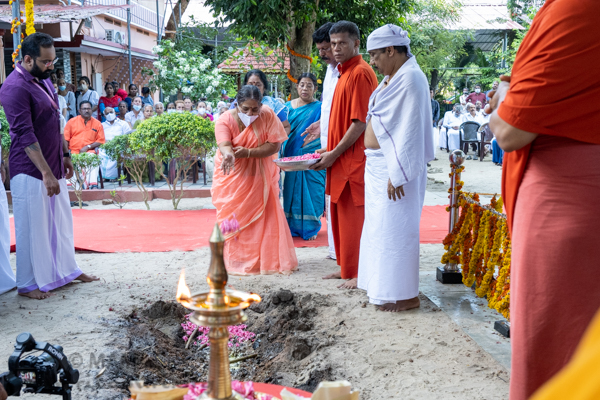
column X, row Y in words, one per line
column 388, row 35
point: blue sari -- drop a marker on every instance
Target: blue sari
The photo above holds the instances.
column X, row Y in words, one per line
column 303, row 191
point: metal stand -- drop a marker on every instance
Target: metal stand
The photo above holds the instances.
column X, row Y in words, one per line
column 450, row 274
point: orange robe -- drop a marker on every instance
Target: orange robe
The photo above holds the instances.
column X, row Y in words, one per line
column 551, row 189
column 251, row 193
column 346, row 177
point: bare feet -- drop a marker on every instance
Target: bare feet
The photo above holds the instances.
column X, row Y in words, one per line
column 36, row 294
column 87, row 278
column 312, row 237
column 401, row 305
column 349, row 284
column 335, row 275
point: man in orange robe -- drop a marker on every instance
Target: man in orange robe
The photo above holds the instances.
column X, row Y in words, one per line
column 547, row 121
column 345, row 155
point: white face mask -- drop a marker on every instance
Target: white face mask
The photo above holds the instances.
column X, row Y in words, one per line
column 477, row 90
column 110, row 117
column 202, row 111
column 171, row 110
column 246, row 119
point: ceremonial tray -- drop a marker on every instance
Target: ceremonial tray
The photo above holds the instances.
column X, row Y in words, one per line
column 301, row 165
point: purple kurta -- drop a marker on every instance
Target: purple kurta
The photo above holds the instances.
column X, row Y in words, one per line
column 32, row 118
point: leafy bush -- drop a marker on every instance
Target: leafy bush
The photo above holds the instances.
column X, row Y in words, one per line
column 83, row 164
column 180, row 136
column 4, row 131
column 119, row 150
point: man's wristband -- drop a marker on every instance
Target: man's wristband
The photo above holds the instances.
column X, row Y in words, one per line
column 67, row 154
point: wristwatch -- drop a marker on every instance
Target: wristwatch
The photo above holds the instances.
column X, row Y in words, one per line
column 67, row 154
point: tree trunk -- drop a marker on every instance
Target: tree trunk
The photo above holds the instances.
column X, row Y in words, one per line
column 174, row 21
column 301, row 42
column 434, row 79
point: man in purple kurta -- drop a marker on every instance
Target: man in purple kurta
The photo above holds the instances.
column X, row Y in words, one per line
column 38, row 158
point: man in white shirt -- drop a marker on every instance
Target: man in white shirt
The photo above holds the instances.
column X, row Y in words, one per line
column 452, row 121
column 320, row 128
column 113, row 127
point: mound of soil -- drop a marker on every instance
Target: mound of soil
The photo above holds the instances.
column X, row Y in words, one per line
column 286, row 346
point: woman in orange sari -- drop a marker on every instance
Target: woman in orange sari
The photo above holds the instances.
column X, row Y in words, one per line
column 246, row 186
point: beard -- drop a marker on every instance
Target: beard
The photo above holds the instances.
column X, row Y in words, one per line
column 38, row 73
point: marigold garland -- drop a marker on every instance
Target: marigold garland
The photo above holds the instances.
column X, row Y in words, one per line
column 480, row 244
column 29, row 28
column 292, row 52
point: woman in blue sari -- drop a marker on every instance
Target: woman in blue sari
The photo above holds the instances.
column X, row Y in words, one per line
column 303, row 191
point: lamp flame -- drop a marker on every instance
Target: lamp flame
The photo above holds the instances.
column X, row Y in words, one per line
column 183, row 291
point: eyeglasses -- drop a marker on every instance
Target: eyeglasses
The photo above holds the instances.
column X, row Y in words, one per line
column 49, row 63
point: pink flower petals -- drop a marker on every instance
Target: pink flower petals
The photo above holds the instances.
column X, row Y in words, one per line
column 238, row 334
column 304, row 157
column 230, row 226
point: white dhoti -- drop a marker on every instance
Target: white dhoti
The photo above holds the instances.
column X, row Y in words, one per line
column 92, row 177
column 436, row 139
column 453, row 139
column 388, row 268
column 329, row 229
column 108, row 167
column 44, row 235
column 7, row 276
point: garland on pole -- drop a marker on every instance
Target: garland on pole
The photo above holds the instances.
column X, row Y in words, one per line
column 292, row 52
column 480, row 244
column 29, row 18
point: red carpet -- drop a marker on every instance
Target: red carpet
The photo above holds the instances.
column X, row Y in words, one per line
column 121, row 231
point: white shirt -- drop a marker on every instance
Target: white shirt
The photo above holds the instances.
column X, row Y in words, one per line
column 70, row 100
column 331, row 79
column 90, row 96
column 131, row 118
column 477, row 118
column 451, row 119
column 117, row 128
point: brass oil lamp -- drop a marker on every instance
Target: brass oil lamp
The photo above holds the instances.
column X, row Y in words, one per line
column 217, row 309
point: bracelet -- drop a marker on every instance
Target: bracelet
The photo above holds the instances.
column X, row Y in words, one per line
column 248, row 153
column 67, row 154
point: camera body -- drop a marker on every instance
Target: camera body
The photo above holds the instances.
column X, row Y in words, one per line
column 38, row 373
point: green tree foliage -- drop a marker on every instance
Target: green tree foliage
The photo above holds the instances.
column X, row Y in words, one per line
column 433, row 44
column 4, row 131
column 292, row 22
column 135, row 162
column 83, row 163
column 182, row 137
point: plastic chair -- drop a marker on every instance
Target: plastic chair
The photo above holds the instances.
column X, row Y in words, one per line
column 468, row 134
column 486, row 138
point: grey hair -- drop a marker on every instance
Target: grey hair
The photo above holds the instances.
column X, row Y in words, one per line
column 248, row 92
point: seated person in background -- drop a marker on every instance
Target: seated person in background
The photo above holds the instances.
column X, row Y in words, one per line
column 123, row 110
column 452, row 121
column 113, row 127
column 146, row 98
column 478, row 106
column 159, row 108
column 136, row 113
column 171, row 108
column 83, row 134
column 180, row 105
column 473, row 115
column 203, row 111
column 188, row 105
column 148, row 111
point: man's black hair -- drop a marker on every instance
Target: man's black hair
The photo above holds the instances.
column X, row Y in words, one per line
column 478, row 85
column 322, row 34
column 145, row 90
column 33, row 43
column 346, row 27
column 85, row 102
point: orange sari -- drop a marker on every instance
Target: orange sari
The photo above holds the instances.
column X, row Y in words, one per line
column 251, row 192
